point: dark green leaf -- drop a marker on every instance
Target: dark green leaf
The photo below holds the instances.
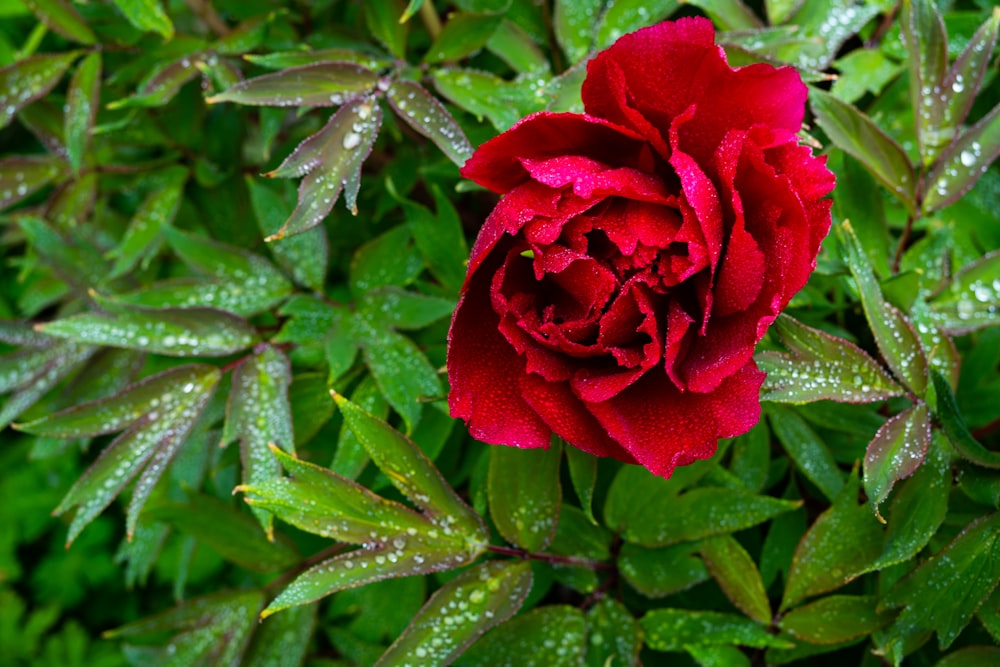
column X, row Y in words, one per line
column 624, row 16
column 737, row 574
column 323, row 84
column 351, row 456
column 517, row 48
column 383, row 19
column 144, row 235
column 525, row 494
column 147, row 15
column 728, row 14
column 399, row 309
column 574, row 24
column 835, row 619
column 807, row 450
column 820, row 366
column 550, row 636
column 163, row 84
column 29, row 79
column 661, row 572
column 331, row 162
column 896, row 452
column 464, row 33
column 21, row 176
column 282, row 640
column 82, row 100
column 964, row 161
column 48, row 371
column 971, row 656
column 824, row 559
column 637, row 496
column 972, row 298
column 459, row 612
column 856, row 134
column 614, row 637
column 956, row 430
column 923, row 33
column 486, row 95
column 583, row 476
column 944, row 592
column 62, row 18
column 425, row 114
column 440, row 239
column 676, row 629
column 284, row 60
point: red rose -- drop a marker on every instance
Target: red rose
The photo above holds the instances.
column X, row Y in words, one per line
column 616, row 293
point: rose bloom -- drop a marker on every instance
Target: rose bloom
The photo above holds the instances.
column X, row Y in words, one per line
column 640, row 251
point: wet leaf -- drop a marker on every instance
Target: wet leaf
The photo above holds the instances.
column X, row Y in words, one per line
column 896, row 452
column 37, row 375
column 856, row 134
column 583, row 477
column 894, row 334
column 664, row 571
column 517, row 48
column 181, row 332
column 835, row 619
column 331, row 162
column 638, row 497
column 824, row 560
column 944, row 592
column 62, row 18
column 676, row 629
column 82, row 100
column 807, row 450
column 259, row 415
column 282, row 640
column 971, row 656
column 737, row 574
column 211, row 629
column 728, row 14
column 22, row 176
column 624, row 16
column 233, row 534
column 923, row 33
column 144, row 237
column 552, row 635
column 289, row 59
column 240, row 282
column 351, row 457
column 964, row 161
column 399, row 309
column 323, row 84
column 383, row 20
column 918, row 507
column 425, row 114
column 574, row 24
column 972, row 298
column 485, row 95
column 704, row 512
column 157, row 414
column 247, row 36
column 162, row 85
column 459, row 612
column 614, row 636
column 388, row 259
column 147, row 15
column 525, row 494
column 956, row 430
column 463, row 34
column 819, row 366
column 30, row 79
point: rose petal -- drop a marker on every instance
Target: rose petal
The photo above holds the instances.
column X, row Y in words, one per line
column 663, row 427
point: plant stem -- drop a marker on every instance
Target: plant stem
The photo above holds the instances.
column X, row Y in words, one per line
column 903, row 240
column 315, row 559
column 554, row 559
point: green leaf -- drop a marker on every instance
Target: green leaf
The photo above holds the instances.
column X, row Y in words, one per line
column 971, row 656
column 259, row 414
column 574, row 24
column 147, row 15
column 637, row 496
column 945, row 591
column 856, row 134
column 62, row 18
column 624, row 16
column 705, row 512
column 718, row 656
column 824, row 560
column 614, row 636
column 410, row 471
column 176, row 332
column 82, row 100
column 351, row 457
column 485, row 95
column 661, row 572
column 439, row 238
column 464, row 33
column 212, row 629
column 383, row 19
column 896, row 452
column 70, row 255
column 894, row 334
column 233, row 534
column 751, row 457
column 426, row 115
column 163, row 84
column 459, row 612
column 972, row 297
column 918, row 507
column 955, row 428
column 517, row 48
column 676, row 629
column 807, row 450
column 247, row 36
column 306, row 256
column 550, row 636
column 394, row 307
column 284, row 60
column 322, row 84
column 22, row 176
column 144, row 234
column 819, row 366
column 525, row 494
column 401, row 370
column 737, row 574
column 863, row 71
column 331, row 162
column 283, row 639
column 583, row 477
column 923, row 33
column 240, row 282
column 728, row 14
column 964, row 161
column 388, row 259
column 30, row 79
column 835, row 619
column 159, row 413
column 46, row 371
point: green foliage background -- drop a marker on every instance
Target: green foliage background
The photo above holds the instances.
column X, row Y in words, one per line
column 163, row 290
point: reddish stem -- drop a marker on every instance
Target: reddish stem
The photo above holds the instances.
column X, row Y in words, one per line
column 553, row 559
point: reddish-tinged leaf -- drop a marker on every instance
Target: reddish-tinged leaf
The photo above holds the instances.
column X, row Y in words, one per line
column 425, row 114
column 62, row 18
column 331, row 162
column 323, row 84
column 21, row 176
column 289, row 59
column 972, row 299
column 46, row 370
column 896, row 452
column 926, row 42
column 82, row 100
column 737, row 575
column 29, row 79
column 965, row 160
column 161, row 87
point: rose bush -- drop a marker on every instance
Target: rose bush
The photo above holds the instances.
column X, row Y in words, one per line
column 615, row 294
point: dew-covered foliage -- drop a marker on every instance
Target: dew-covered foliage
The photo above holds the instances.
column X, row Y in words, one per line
column 232, row 234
